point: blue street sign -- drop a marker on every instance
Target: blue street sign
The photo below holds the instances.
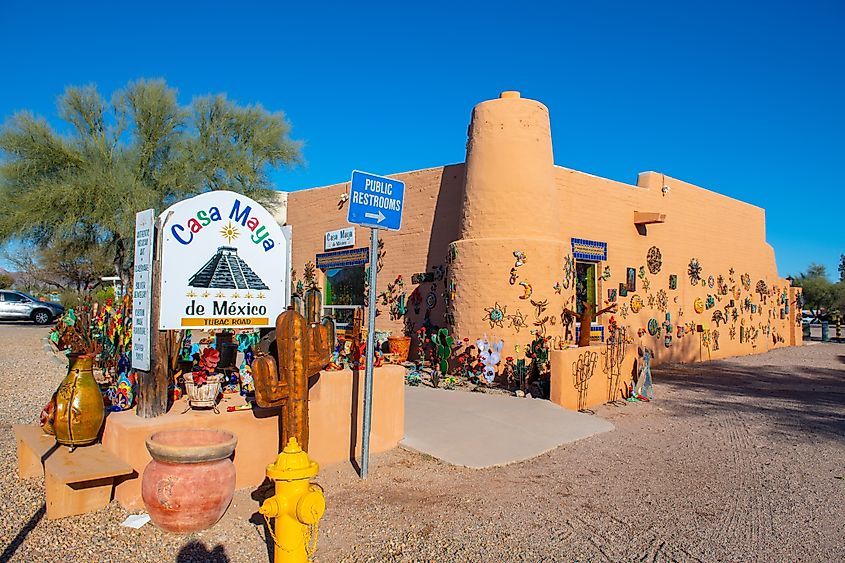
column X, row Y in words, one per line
column 376, row 201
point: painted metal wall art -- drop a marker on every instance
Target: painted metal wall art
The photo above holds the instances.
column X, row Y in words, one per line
column 654, row 260
column 527, row 290
column 636, row 303
column 718, row 317
column 711, row 281
column 631, row 278
column 623, row 289
column 698, row 305
column 746, row 281
column 694, row 271
column 651, row 301
column 495, row 315
column 653, row 327
column 673, row 281
column 623, row 311
column 710, row 302
column 605, row 275
column 611, row 295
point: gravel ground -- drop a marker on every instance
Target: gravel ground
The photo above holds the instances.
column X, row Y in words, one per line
column 738, row 460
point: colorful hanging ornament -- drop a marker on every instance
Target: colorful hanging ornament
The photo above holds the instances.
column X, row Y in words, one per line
column 636, row 303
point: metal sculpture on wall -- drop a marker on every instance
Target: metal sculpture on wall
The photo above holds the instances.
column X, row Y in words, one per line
column 631, row 278
column 495, row 315
column 611, row 295
column 662, row 301
column 605, row 275
column 582, row 372
column 623, row 310
column 653, row 327
column 746, row 281
column 673, row 281
column 636, row 303
column 623, row 289
column 518, row 321
column 711, row 281
column 615, row 348
column 527, row 290
column 568, row 271
column 694, row 271
column 654, row 260
column 698, row 305
column 762, row 290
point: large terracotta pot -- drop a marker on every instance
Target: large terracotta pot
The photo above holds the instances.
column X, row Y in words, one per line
column 190, row 481
column 78, row 405
column 399, row 345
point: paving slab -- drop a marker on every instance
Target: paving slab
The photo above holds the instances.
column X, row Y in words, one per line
column 478, row 430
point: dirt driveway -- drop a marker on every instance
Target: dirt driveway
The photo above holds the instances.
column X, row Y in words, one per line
column 739, row 460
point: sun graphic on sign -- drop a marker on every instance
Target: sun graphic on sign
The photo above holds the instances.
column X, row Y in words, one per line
column 230, row 232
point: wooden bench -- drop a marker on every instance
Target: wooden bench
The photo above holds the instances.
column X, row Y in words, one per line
column 76, row 482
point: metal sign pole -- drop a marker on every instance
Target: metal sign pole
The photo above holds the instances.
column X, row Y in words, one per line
column 371, row 336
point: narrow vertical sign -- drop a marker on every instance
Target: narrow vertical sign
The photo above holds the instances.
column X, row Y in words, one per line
column 141, row 288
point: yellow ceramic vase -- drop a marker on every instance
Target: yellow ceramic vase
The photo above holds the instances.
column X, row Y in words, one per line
column 79, row 404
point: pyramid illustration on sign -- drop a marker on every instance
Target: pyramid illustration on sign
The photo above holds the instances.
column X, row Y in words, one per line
column 226, row 270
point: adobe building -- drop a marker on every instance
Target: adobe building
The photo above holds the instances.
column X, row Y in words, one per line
column 502, row 243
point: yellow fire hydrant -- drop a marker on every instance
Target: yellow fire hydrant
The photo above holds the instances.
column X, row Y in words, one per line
column 297, row 505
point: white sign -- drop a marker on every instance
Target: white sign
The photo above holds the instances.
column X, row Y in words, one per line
column 141, row 290
column 225, row 263
column 342, row 238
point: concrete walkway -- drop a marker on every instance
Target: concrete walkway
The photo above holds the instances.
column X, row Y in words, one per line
column 478, row 430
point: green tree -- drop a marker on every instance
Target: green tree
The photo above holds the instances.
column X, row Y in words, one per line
column 842, row 268
column 141, row 150
column 820, row 295
column 6, row 281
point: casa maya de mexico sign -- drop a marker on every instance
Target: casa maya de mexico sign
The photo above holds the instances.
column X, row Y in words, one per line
column 225, row 262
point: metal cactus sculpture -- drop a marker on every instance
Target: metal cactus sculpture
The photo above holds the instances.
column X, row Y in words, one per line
column 443, row 346
column 303, row 349
column 613, row 356
column 582, row 372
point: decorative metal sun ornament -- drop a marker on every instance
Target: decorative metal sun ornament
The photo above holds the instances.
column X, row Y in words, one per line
column 654, row 260
column 694, row 271
column 518, row 321
column 636, row 303
column 495, row 315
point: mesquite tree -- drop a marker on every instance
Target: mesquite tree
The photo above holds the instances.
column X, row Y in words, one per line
column 140, row 150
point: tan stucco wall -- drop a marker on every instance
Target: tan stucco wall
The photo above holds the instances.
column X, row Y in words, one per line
column 511, row 197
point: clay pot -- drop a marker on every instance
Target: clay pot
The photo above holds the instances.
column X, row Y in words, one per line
column 399, row 345
column 79, row 408
column 189, row 484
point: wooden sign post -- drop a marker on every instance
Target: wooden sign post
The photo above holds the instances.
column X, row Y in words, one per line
column 152, row 385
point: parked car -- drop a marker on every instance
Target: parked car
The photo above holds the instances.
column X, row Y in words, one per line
column 18, row 306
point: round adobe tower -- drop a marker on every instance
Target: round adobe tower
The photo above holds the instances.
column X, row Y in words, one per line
column 510, row 204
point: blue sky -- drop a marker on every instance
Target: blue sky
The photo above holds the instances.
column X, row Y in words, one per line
column 745, row 98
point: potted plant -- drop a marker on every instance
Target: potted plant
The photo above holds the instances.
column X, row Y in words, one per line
column 202, row 386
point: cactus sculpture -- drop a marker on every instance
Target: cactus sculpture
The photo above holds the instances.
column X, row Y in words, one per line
column 490, row 355
column 303, row 350
column 443, row 344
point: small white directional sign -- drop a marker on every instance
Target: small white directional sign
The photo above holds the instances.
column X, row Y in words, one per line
column 376, row 201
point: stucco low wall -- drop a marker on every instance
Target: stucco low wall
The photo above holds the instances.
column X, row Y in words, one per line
column 336, row 399
column 597, row 390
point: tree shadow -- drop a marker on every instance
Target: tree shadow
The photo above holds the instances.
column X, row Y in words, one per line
column 805, row 401
column 196, row 552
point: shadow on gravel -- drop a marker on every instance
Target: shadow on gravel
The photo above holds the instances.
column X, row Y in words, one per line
column 22, row 533
column 804, row 401
column 196, row 552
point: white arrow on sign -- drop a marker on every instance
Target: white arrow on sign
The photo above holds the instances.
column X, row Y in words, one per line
column 379, row 218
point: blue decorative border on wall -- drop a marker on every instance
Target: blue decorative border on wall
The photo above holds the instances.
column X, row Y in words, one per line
column 343, row 258
column 597, row 252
